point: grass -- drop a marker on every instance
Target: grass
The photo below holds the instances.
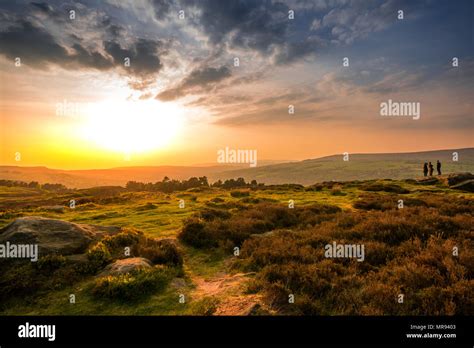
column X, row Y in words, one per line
column 158, row 215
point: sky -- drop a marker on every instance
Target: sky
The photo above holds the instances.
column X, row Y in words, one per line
column 99, row 84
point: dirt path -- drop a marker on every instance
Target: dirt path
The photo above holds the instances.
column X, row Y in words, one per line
column 229, row 290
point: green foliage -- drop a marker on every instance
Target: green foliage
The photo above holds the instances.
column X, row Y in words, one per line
column 164, row 252
column 407, row 250
column 98, row 256
column 239, row 193
column 205, row 306
column 50, row 262
column 219, row 228
column 116, row 243
column 132, row 286
column 23, row 279
column 378, row 186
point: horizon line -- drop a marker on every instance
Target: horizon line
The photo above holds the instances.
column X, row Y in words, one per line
column 204, row 165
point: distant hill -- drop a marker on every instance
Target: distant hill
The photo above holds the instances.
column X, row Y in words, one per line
column 359, row 167
column 105, row 177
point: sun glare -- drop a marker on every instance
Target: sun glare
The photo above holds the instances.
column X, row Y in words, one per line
column 132, row 126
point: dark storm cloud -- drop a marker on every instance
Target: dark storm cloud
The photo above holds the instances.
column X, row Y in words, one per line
column 32, row 44
column 36, row 47
column 252, row 24
column 198, row 80
column 143, row 55
column 90, row 59
column 258, row 25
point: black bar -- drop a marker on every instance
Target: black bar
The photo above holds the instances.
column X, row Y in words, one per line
column 115, row 330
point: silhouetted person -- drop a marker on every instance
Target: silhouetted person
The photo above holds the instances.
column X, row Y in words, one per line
column 425, row 169
column 438, row 167
column 430, row 165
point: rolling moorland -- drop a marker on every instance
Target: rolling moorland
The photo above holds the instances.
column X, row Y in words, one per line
column 307, row 172
column 182, row 259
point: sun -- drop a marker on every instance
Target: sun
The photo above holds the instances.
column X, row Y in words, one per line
column 132, row 126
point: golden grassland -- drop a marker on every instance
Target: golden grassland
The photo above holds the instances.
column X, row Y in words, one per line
column 281, row 251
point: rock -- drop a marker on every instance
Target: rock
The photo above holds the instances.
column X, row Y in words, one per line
column 457, row 178
column 427, row 181
column 178, row 283
column 467, row 185
column 126, row 266
column 53, row 236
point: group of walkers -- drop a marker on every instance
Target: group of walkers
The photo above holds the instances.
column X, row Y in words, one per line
column 428, row 168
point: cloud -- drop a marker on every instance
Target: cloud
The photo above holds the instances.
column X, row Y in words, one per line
column 261, row 26
column 34, row 45
column 90, row 59
column 143, row 55
column 294, row 51
column 247, row 24
column 197, row 81
column 353, row 20
column 38, row 48
column 43, row 7
column 161, row 8
column 114, row 30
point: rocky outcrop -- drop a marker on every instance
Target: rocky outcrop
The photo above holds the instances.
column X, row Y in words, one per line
column 467, row 185
column 53, row 236
column 457, row 178
column 126, row 266
column 427, row 181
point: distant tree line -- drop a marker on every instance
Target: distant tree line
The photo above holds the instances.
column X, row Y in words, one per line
column 167, row 185
column 33, row 184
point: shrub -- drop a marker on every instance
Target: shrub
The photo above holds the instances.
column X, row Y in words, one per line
column 194, row 233
column 162, row 252
column 132, row 286
column 239, row 193
column 394, row 188
column 216, row 227
column 407, row 251
column 98, row 256
column 50, row 262
column 209, row 214
column 115, row 244
column 206, row 306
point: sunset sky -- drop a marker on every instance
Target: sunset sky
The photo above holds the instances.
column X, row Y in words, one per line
column 71, row 102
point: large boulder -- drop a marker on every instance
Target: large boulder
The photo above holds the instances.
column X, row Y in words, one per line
column 467, row 185
column 457, row 178
column 429, row 180
column 53, row 236
column 126, row 266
